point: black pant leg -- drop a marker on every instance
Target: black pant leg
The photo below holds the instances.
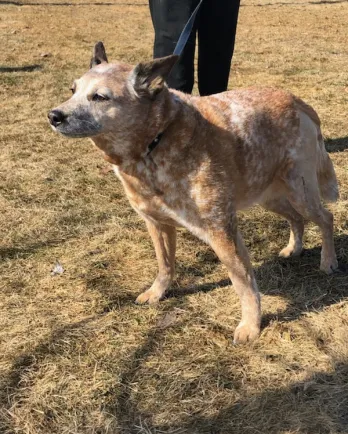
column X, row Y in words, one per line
column 169, row 18
column 216, row 36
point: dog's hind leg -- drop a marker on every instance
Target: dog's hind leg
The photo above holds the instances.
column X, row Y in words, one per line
column 230, row 248
column 164, row 240
column 283, row 207
column 303, row 194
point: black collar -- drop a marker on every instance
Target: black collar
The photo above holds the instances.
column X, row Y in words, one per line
column 154, row 143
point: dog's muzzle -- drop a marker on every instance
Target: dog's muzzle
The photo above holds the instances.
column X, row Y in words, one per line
column 56, row 117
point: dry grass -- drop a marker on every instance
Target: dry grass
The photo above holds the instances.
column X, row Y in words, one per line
column 77, row 356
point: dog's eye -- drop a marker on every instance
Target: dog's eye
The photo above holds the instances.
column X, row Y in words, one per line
column 73, row 89
column 98, row 97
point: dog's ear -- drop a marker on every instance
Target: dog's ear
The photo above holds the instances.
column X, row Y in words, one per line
column 147, row 79
column 99, row 55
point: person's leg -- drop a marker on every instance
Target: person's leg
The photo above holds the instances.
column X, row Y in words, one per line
column 169, row 18
column 216, row 35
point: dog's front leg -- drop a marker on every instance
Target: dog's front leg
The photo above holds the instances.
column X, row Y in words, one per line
column 164, row 240
column 230, row 248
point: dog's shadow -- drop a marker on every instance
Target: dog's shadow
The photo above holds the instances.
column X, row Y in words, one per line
column 303, row 407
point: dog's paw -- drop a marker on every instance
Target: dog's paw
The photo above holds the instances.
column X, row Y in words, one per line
column 329, row 265
column 290, row 251
column 149, row 297
column 246, row 333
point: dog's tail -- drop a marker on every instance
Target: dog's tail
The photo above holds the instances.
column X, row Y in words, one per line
column 326, row 173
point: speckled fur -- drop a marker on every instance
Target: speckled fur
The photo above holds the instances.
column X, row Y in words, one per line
column 217, row 155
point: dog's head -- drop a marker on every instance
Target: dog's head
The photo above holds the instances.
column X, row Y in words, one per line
column 111, row 98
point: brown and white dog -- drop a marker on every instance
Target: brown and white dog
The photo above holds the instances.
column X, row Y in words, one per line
column 194, row 162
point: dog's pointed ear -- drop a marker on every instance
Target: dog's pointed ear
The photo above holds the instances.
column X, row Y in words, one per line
column 148, row 79
column 99, row 55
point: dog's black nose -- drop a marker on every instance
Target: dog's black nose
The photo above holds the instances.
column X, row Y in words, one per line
column 56, row 117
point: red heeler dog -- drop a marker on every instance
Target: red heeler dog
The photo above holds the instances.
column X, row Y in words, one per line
column 193, row 162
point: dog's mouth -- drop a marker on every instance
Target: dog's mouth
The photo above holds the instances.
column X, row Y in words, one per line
column 72, row 134
column 71, row 126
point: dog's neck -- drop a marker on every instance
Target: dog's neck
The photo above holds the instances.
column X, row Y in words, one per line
column 127, row 148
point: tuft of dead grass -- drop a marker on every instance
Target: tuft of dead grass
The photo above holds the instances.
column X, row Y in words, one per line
column 77, row 356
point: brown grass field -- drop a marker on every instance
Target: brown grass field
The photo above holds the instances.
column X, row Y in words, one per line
column 77, row 355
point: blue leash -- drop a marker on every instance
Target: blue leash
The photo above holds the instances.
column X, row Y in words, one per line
column 185, row 34
column 180, row 45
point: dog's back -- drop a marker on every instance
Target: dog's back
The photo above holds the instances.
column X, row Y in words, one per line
column 271, row 131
